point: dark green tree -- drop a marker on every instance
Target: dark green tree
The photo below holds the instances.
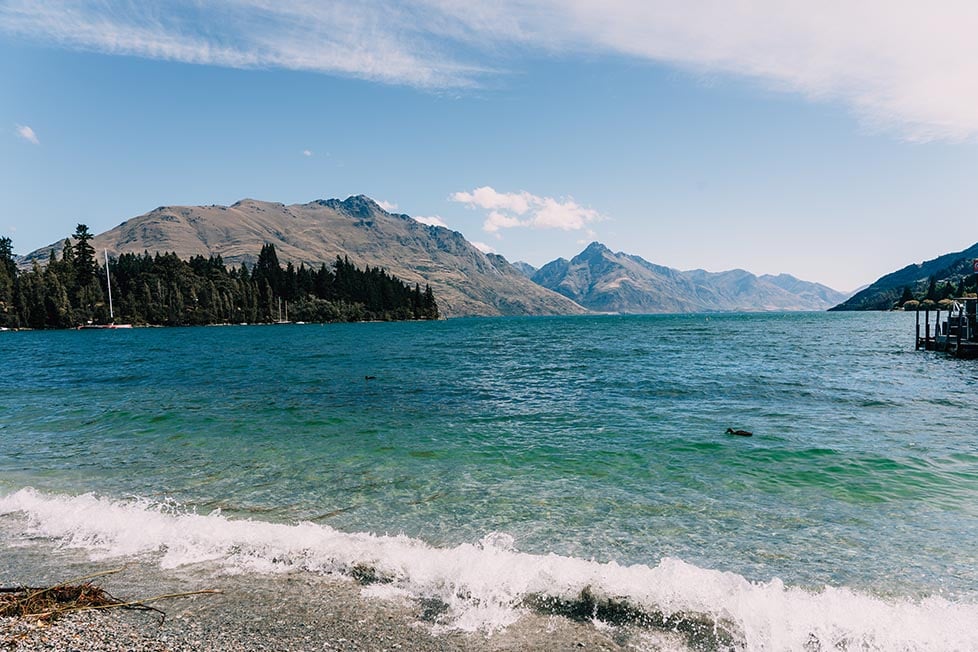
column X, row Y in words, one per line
column 8, row 278
column 163, row 289
column 57, row 307
column 906, row 296
column 947, row 290
column 84, row 262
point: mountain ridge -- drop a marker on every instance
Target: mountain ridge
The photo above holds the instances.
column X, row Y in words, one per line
column 606, row 281
column 886, row 291
column 465, row 280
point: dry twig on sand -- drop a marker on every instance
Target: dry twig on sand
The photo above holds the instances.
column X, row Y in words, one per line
column 79, row 594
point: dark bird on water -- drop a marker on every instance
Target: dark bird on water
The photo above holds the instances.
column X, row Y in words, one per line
column 742, row 433
column 370, row 377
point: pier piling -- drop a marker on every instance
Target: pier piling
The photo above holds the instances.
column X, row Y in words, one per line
column 916, row 339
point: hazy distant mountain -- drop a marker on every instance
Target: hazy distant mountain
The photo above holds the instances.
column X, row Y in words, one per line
column 526, row 269
column 604, row 281
column 465, row 280
column 886, row 291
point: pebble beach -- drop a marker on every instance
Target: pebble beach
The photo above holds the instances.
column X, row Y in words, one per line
column 279, row 616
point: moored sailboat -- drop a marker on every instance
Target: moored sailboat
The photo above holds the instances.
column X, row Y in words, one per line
column 108, row 284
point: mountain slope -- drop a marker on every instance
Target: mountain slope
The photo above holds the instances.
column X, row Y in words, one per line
column 465, row 280
column 888, row 289
column 602, row 280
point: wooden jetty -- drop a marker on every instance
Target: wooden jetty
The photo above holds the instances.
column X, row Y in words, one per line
column 956, row 335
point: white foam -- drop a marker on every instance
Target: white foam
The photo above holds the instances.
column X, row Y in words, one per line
column 485, row 585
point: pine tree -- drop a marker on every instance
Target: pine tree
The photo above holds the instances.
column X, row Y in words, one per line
column 8, row 276
column 163, row 289
column 84, row 258
column 906, row 296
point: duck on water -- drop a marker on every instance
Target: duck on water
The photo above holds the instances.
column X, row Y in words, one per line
column 742, row 433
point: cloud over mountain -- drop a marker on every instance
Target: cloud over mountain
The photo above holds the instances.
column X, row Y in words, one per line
column 522, row 209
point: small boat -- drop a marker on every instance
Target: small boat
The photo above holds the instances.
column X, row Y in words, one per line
column 280, row 320
column 111, row 324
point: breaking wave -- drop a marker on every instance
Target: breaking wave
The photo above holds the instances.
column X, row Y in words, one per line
column 488, row 585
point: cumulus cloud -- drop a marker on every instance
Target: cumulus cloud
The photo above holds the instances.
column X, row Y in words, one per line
column 566, row 215
column 522, row 209
column 910, row 66
column 487, row 197
column 496, row 221
column 27, row 134
column 430, row 220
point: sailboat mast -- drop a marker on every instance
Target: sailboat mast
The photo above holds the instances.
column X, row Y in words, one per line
column 108, row 284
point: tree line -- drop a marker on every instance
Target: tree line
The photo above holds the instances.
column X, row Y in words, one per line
column 938, row 292
column 164, row 290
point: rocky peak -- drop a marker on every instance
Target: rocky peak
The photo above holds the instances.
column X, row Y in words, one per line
column 593, row 250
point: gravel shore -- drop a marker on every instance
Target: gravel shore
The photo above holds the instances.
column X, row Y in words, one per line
column 301, row 613
column 268, row 612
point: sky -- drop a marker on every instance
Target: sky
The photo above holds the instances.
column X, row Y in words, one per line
column 836, row 142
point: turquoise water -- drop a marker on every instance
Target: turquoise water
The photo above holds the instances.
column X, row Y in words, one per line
column 590, row 438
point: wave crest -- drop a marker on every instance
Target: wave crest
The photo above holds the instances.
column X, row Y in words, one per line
column 489, row 584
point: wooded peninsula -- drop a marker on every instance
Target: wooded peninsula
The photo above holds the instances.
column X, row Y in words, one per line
column 164, row 290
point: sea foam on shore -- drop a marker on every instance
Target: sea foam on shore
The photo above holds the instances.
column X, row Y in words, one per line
column 488, row 585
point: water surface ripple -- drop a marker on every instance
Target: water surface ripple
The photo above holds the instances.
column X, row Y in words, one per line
column 594, row 437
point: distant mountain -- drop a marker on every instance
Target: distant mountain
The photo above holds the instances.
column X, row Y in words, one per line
column 886, row 291
column 526, row 269
column 465, row 280
column 604, row 281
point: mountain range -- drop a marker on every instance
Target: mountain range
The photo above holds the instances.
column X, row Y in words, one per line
column 605, row 281
column 886, row 291
column 465, row 280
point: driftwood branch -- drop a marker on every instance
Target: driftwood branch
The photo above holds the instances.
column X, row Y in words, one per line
column 79, row 594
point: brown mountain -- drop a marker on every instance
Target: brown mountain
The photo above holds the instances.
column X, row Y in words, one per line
column 465, row 280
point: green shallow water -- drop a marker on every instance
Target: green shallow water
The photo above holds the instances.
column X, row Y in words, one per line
column 595, row 437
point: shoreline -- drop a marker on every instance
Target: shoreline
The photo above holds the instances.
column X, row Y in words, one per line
column 292, row 612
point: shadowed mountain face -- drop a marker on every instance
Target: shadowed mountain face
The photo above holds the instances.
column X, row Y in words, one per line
column 886, row 291
column 604, row 281
column 526, row 269
column 465, row 280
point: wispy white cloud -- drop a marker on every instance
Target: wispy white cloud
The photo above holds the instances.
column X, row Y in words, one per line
column 908, row 66
column 307, row 152
column 522, row 209
column 388, row 206
column 430, row 220
column 375, row 40
column 28, row 134
column 483, row 247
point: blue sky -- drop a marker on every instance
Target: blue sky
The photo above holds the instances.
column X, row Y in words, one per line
column 835, row 144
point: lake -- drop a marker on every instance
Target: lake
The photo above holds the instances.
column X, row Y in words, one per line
column 489, row 464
